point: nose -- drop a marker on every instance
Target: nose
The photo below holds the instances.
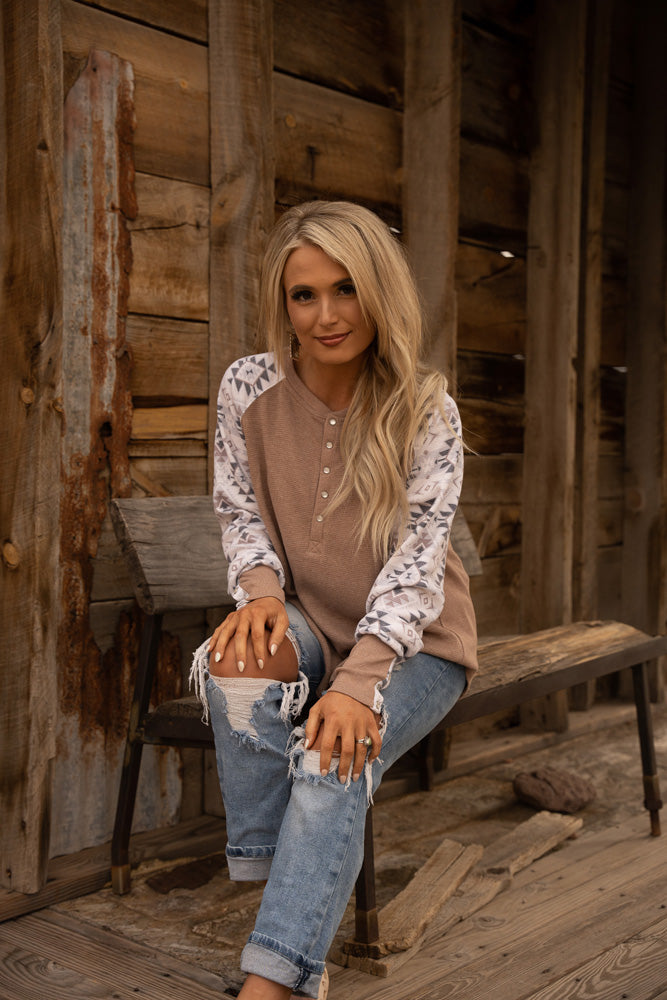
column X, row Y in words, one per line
column 328, row 310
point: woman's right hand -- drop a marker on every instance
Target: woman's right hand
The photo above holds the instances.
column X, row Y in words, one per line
column 255, row 619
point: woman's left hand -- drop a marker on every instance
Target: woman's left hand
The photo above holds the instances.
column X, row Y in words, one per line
column 337, row 723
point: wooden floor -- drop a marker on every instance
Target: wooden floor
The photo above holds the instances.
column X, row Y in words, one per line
column 586, row 922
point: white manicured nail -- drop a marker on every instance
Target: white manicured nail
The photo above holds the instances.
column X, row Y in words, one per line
column 274, row 649
column 260, row 664
column 218, row 657
column 241, row 666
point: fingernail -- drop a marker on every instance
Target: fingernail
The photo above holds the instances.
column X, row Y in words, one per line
column 260, row 664
column 218, row 657
column 324, row 772
column 274, row 649
column 241, row 666
column 355, row 777
column 306, row 744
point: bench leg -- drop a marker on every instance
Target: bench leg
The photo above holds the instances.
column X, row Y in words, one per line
column 652, row 799
column 127, row 793
column 366, row 914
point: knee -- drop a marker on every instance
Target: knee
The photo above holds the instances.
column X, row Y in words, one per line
column 281, row 666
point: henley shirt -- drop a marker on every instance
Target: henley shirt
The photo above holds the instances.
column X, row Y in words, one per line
column 278, row 465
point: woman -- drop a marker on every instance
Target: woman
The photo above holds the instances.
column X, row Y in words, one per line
column 338, row 468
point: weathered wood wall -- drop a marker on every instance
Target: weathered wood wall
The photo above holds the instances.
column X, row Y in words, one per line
column 343, row 115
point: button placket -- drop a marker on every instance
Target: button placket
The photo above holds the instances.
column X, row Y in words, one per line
column 325, row 485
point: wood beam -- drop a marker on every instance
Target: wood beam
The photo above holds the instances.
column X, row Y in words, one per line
column 431, row 126
column 586, row 506
column 31, row 101
column 242, row 178
column 551, row 334
column 645, row 524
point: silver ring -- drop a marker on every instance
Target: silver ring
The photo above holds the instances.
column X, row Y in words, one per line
column 367, row 742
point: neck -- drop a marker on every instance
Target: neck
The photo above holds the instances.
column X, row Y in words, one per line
column 334, row 385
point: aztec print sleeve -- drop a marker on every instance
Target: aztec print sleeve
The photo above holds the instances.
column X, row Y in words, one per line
column 407, row 595
column 245, row 540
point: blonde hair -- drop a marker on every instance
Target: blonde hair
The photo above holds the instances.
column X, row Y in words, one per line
column 395, row 392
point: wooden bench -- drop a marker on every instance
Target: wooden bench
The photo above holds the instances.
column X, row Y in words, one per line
column 172, row 548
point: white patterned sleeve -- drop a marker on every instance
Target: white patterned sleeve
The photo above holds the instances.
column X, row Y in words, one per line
column 407, row 595
column 245, row 540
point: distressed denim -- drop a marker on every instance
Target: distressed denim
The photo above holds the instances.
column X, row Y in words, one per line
column 288, row 824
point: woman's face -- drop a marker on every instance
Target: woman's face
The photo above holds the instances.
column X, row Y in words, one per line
column 324, row 309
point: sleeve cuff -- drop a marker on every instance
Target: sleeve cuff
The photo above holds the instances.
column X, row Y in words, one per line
column 368, row 665
column 261, row 581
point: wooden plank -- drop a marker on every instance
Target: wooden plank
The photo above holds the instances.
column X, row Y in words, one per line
column 169, row 476
column 135, row 970
column 403, row 920
column 645, row 531
column 551, row 336
column 187, row 20
column 242, row 176
column 24, row 973
column 551, row 935
column 491, row 295
column 512, row 853
column 635, row 967
column 152, row 532
column 519, row 848
column 73, row 875
column 189, row 421
column 336, row 146
column 169, row 359
column 495, row 595
column 171, row 92
column 431, row 129
column 170, row 249
column 585, row 544
column 530, row 666
column 496, row 86
column 30, row 429
column 367, row 59
column 501, row 17
column 98, row 199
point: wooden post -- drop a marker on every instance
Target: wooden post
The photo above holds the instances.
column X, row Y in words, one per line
column 98, row 199
column 551, row 334
column 431, row 125
column 585, row 572
column 31, row 101
column 242, row 177
column 645, row 526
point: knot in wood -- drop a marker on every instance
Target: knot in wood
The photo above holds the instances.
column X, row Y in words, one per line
column 10, row 556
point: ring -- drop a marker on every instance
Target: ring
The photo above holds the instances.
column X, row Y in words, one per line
column 367, row 742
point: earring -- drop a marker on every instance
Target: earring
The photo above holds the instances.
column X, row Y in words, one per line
column 294, row 346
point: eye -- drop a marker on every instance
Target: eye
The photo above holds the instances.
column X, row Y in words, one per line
column 347, row 289
column 301, row 295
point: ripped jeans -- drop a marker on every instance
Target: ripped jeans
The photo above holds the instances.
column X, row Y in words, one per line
column 286, row 823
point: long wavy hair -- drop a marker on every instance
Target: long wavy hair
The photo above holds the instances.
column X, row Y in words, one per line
column 395, row 392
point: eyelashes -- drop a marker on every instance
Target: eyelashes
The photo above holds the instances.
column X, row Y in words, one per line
column 306, row 295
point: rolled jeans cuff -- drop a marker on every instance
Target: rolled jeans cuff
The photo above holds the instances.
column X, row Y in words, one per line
column 249, row 864
column 273, row 961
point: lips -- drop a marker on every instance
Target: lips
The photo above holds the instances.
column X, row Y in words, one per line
column 333, row 340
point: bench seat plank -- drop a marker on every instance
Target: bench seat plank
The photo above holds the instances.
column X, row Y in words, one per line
column 519, row 668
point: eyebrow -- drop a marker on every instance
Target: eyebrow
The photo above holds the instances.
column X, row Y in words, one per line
column 300, row 286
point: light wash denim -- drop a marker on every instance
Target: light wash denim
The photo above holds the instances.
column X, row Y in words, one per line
column 288, row 824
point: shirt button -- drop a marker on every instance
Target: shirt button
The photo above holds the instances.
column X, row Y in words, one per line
column 324, row 494
column 333, row 421
column 329, row 444
column 319, row 518
column 326, row 470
